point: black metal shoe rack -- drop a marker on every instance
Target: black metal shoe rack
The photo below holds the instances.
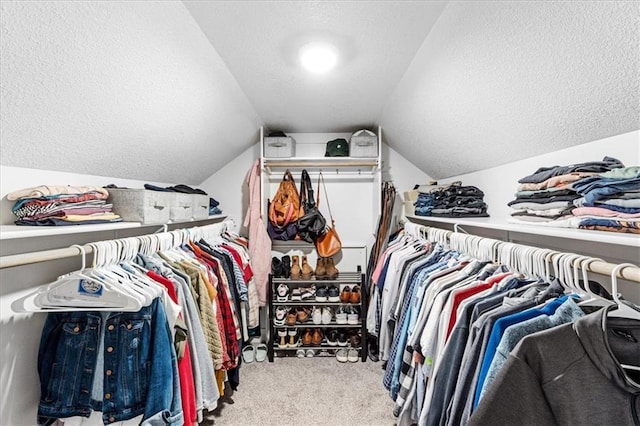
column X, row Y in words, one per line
column 344, row 279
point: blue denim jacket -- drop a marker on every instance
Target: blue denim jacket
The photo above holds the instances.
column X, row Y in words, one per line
column 131, row 356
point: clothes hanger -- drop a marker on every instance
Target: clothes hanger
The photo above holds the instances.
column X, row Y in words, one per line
column 591, row 298
column 625, row 309
column 78, row 291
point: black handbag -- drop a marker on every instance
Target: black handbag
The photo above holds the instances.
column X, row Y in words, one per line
column 311, row 224
column 284, row 233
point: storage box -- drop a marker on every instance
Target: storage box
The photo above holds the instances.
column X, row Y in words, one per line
column 363, row 143
column 141, row 205
column 279, row 147
column 181, row 207
column 200, row 206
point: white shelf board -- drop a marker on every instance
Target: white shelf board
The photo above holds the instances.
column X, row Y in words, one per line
column 10, row 232
column 603, row 237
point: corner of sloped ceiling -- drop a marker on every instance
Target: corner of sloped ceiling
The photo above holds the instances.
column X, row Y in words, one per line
column 495, row 82
column 120, row 89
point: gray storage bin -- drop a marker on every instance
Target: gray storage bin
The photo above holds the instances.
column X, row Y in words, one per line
column 363, row 143
column 279, row 147
column 141, row 205
column 200, row 206
column 181, row 208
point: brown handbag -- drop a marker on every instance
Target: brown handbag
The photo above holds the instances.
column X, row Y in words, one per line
column 329, row 243
column 285, row 206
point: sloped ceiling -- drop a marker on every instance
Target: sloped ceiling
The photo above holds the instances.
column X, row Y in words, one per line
column 495, row 82
column 260, row 40
column 171, row 91
column 119, row 89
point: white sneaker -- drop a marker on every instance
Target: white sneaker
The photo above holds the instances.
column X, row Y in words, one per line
column 353, row 317
column 352, row 355
column 341, row 315
column 342, row 356
column 311, row 353
column 280, row 315
column 300, row 353
column 296, row 294
column 282, row 292
column 327, row 314
column 316, row 316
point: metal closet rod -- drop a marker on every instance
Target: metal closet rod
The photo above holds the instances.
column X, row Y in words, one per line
column 596, row 266
column 63, row 253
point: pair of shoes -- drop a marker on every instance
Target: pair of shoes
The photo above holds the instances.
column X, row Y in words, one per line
column 336, row 338
column 350, row 295
column 309, row 353
column 256, row 353
column 281, row 268
column 322, row 316
column 293, row 338
column 328, row 294
column 312, row 337
column 303, row 314
column 326, row 269
column 344, row 355
column 308, row 293
column 300, row 268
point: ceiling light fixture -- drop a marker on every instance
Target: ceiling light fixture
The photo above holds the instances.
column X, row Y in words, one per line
column 318, row 57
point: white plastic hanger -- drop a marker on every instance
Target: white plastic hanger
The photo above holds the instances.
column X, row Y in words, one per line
column 78, row 291
column 624, row 310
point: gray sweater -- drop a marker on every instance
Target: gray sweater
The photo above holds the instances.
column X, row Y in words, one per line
column 569, row 375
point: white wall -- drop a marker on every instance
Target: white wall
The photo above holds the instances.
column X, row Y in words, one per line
column 500, row 183
column 228, row 186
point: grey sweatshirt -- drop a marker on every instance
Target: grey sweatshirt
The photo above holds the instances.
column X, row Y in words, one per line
column 569, row 375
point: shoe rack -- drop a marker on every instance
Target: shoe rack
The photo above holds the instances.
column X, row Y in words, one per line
column 343, row 280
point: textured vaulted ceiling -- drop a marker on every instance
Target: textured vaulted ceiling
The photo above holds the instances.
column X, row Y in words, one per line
column 171, row 91
column 259, row 41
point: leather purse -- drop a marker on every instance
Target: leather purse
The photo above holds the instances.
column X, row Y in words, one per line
column 311, row 224
column 285, row 206
column 328, row 244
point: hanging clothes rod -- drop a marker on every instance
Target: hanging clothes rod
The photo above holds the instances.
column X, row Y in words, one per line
column 63, row 253
column 596, row 266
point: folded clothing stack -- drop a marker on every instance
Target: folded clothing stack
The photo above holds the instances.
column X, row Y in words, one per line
column 609, row 201
column 601, row 195
column 452, row 200
column 213, row 204
column 53, row 205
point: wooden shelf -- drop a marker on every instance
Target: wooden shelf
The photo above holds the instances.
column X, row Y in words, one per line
column 602, row 237
column 10, row 232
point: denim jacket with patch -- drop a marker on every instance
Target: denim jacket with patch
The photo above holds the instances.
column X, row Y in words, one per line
column 121, row 363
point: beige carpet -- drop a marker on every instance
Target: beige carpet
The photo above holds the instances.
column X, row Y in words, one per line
column 308, row 391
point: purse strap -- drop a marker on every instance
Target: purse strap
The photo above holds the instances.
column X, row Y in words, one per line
column 306, row 191
column 326, row 196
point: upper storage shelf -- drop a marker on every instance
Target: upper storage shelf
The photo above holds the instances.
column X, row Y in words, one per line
column 308, row 154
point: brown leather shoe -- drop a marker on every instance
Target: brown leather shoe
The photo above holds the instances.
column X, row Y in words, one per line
column 291, row 317
column 317, row 337
column 355, row 295
column 345, row 295
column 307, row 337
column 303, row 314
column 307, row 271
column 321, row 271
column 331, row 270
column 295, row 268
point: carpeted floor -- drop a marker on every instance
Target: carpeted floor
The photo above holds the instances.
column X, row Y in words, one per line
column 309, row 391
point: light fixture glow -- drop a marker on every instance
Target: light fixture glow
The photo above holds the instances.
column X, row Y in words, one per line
column 318, row 57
